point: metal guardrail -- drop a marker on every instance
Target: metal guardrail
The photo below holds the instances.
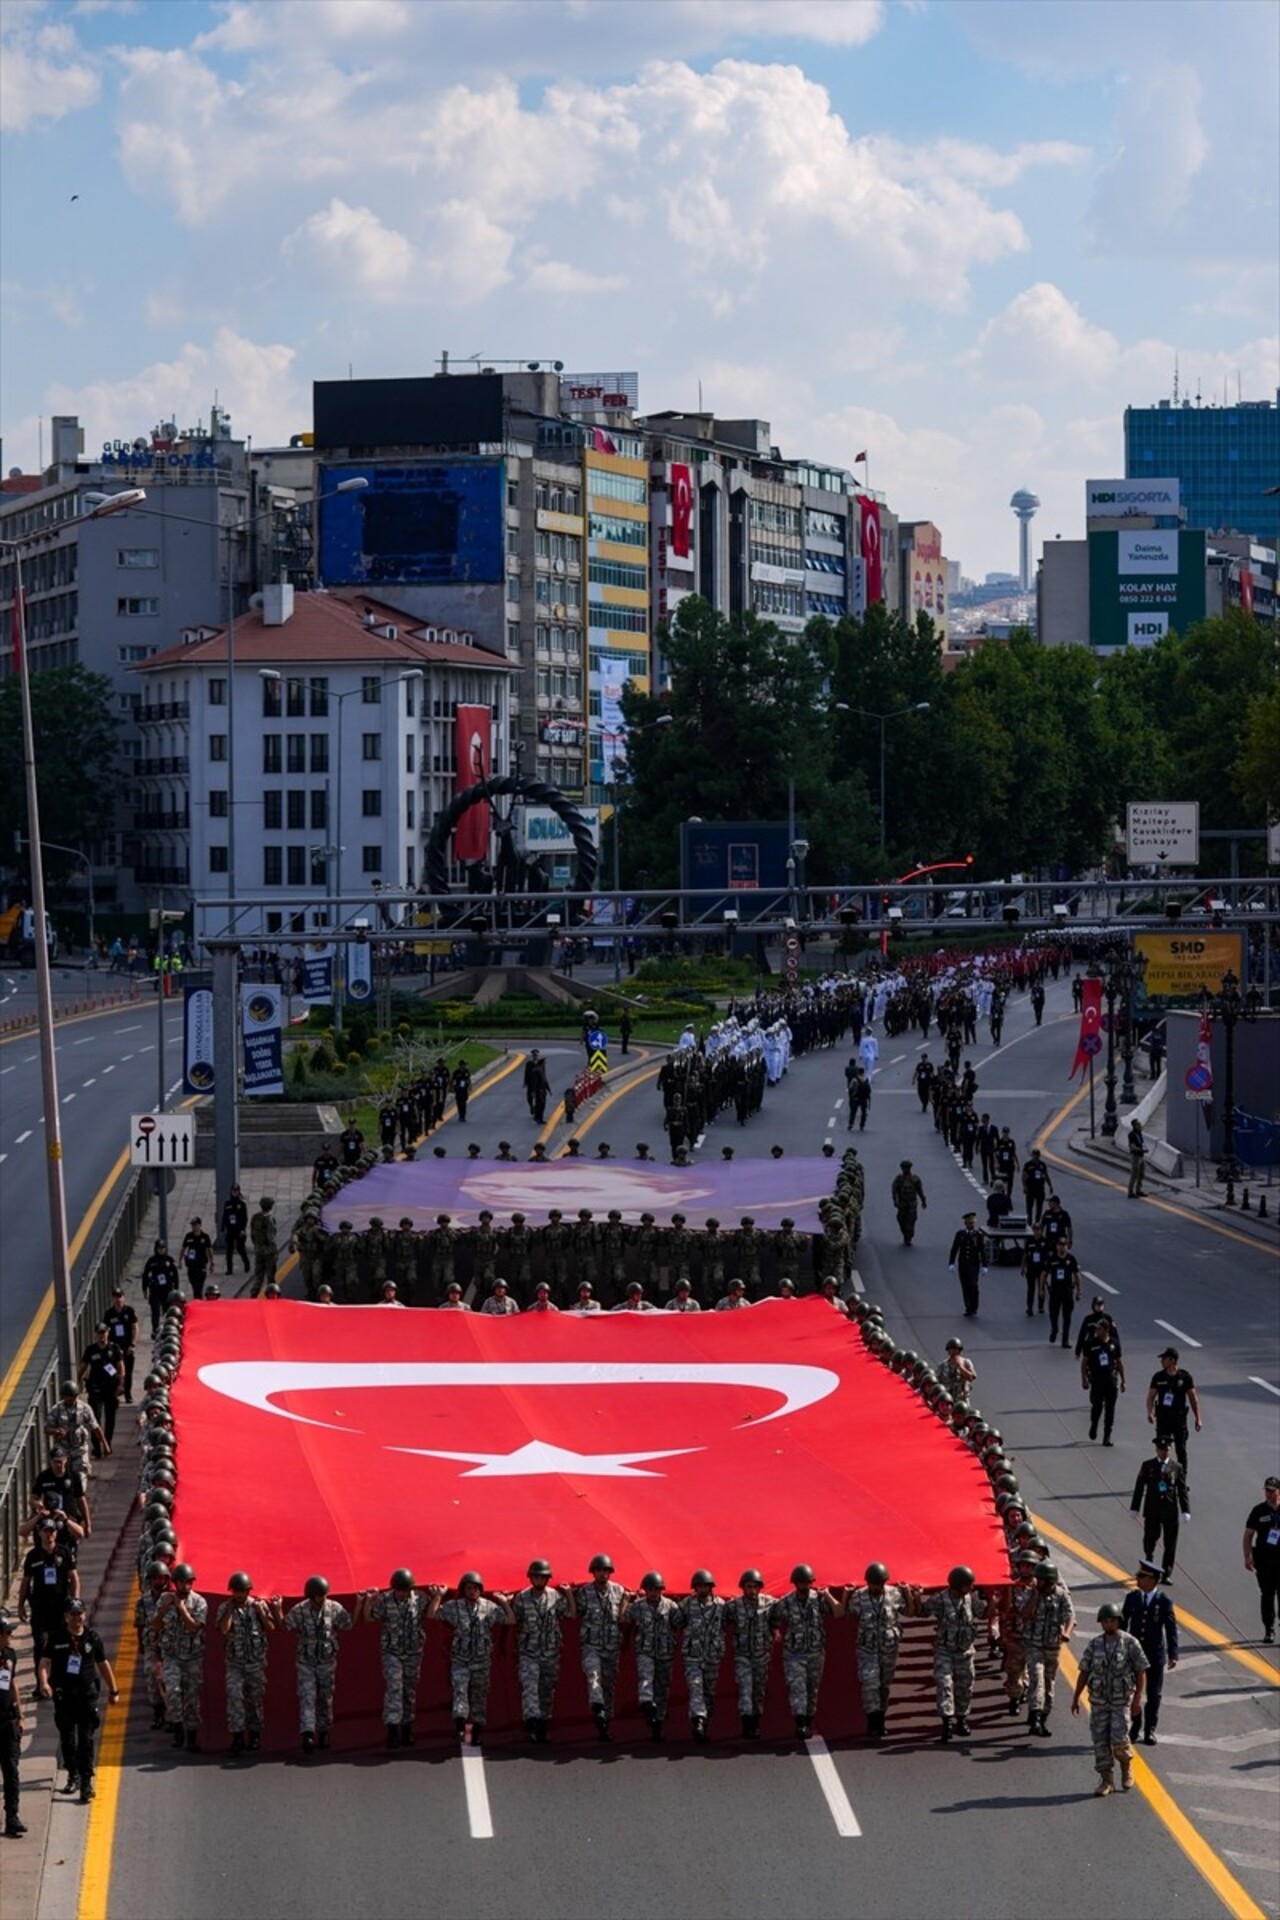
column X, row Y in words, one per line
column 25, row 1455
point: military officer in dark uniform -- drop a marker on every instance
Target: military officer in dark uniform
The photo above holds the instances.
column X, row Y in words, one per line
column 1149, row 1616
column 968, row 1257
column 233, row 1224
column 1160, row 1493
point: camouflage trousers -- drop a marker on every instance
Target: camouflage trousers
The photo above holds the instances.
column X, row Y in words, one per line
column 246, row 1692
column 400, row 1688
column 315, row 1695
column 182, row 1681
column 803, row 1675
column 751, row 1677
column 701, row 1677
column 875, row 1676
column 264, row 1271
column 469, row 1681
column 1013, row 1664
column 654, row 1674
column 601, row 1672
column 154, row 1666
column 1042, row 1671
column 539, row 1673
column 1109, row 1731
column 953, row 1672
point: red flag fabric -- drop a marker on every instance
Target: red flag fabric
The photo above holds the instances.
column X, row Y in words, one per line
column 869, row 511
column 1246, row 588
column 474, row 732
column 859, row 458
column 444, row 1440
column 16, row 620
column 681, row 509
column 1090, row 1039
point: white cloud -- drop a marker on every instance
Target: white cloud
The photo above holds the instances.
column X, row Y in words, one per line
column 352, row 246
column 1141, row 194
column 561, row 276
column 1042, row 339
column 44, row 74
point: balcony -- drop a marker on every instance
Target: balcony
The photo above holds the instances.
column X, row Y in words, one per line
column 162, row 876
column 175, row 820
column 156, row 767
column 155, row 714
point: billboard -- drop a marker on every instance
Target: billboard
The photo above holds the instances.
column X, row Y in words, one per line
column 614, row 674
column 1142, row 585
column 1118, row 499
column 1180, row 964
column 541, row 830
column 737, row 856
column 419, row 523
column 605, row 392
column 474, row 738
column 435, row 411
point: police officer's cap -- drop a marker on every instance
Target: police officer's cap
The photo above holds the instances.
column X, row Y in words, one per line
column 538, row 1568
column 600, row 1563
column 317, row 1587
column 1162, row 1440
column 802, row 1576
column 1109, row 1611
column 238, row 1583
column 184, row 1572
column 751, row 1578
column 47, row 1526
column 1152, row 1567
column 653, row 1583
column 73, row 1606
column 877, row 1573
column 402, row 1579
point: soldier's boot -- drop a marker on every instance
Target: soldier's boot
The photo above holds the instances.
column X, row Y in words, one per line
column 308, row 1743
column 601, row 1717
column 946, row 1730
column 531, row 1730
column 648, row 1712
column 157, row 1719
column 406, row 1734
column 460, row 1725
column 1126, row 1772
column 875, row 1725
column 193, row 1740
column 1043, row 1729
column 477, row 1729
column 804, row 1727
column 1106, row 1784
column 322, row 1741
column 699, row 1723
column 237, row 1743
column 393, row 1734
column 1014, row 1704
column 255, row 1740
column 962, row 1725
column 542, row 1731
column 177, row 1737
column 751, row 1726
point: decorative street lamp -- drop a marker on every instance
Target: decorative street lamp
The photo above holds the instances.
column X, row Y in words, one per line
column 1230, row 1007
column 1137, row 973
column 1124, row 971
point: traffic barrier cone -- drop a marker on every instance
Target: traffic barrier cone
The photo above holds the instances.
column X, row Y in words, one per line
column 1262, row 1206
column 1244, row 1200
column 1231, row 1194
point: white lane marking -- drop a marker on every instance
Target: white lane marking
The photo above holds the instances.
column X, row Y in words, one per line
column 4, row 1070
column 108, row 1069
column 21, row 1137
column 87, row 1042
column 1232, row 1786
column 28, row 1058
column 150, row 1049
column 91, row 1083
column 897, row 1058
column 1265, row 1385
column 855, row 1281
column 839, row 1103
column 125, row 1059
column 1228, row 1697
column 3, row 1158
column 1227, row 1743
column 67, row 1097
column 831, row 1122
column 833, row 1789
column 478, row 1814
column 1235, row 1819
column 1094, row 1281
column 1178, row 1334
column 137, row 1029
column 1260, row 1862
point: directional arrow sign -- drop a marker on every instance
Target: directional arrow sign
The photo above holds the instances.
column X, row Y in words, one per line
column 162, row 1140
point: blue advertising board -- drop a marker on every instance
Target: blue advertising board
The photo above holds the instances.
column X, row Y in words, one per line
column 739, row 856
column 418, row 523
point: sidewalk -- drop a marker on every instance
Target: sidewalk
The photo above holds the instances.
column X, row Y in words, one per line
column 1210, row 1197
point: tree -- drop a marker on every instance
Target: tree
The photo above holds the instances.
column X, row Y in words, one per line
column 78, row 775
column 1257, row 771
column 1223, row 666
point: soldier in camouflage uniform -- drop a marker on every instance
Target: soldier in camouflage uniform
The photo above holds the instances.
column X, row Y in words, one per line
column 751, row 1617
column 262, row 1233
column 678, row 1246
column 714, row 1273
column 958, row 1611
column 245, row 1623
column 178, row 1634
column 1013, row 1608
column 401, row 1611
column 1050, row 1624
column 647, row 1240
column 444, row 1251
column 654, row 1621
column 748, row 1244
column 317, row 1621
column 308, row 1242
column 801, row 1619
column 585, row 1242
column 555, row 1247
column 956, row 1373
column 472, row 1621
column 344, row 1265
column 788, row 1251
column 613, row 1258
column 72, row 1424
column 517, row 1255
column 602, row 1607
column 484, row 1255
column 404, row 1259
column 1113, row 1667
column 144, row 1619
column 539, row 1609
column 879, row 1609
column 702, row 1648
column 377, row 1257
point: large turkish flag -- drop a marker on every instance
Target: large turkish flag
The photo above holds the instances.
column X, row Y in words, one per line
column 872, row 554
column 346, row 1440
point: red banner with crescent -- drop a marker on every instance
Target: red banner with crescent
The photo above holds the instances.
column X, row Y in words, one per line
column 681, row 510
column 474, row 736
column 869, row 525
column 1090, row 1040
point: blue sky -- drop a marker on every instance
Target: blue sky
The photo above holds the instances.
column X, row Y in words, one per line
column 960, row 233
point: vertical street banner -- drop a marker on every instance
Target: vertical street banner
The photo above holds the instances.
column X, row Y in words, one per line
column 681, row 509
column 1089, row 1043
column 473, row 745
column 614, row 674
column 261, row 1031
column 197, row 1038
column 359, row 973
column 317, row 975
column 869, row 527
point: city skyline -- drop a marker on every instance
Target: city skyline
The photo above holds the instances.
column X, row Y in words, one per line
column 961, row 237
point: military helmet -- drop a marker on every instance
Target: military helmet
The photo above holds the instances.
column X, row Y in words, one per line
column 183, row 1571
column 600, row 1563
column 802, row 1576
column 537, row 1567
column 470, row 1579
column 157, row 1570
column 1109, row 1611
column 653, row 1583
column 1045, row 1570
column 239, row 1583
column 960, row 1577
column 877, row 1573
column 317, row 1587
column 751, row 1578
column 402, row 1580
column 701, row 1578
column 1024, row 1531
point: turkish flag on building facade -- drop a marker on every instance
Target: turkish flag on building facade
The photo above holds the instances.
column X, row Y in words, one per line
column 474, row 736
column 681, row 510
column 1246, row 588
column 869, row 521
column 443, row 1440
column 1090, row 1040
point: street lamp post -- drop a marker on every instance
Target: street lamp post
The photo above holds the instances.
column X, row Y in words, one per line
column 1135, row 973
column 1231, row 1007
column 1124, row 971
column 882, row 720
column 64, row 1303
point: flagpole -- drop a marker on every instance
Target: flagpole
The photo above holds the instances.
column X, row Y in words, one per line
column 1093, row 1118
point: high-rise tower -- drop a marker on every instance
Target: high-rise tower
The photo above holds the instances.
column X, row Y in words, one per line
column 1025, row 505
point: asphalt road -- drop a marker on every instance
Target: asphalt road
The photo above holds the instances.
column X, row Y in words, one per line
column 997, row 1826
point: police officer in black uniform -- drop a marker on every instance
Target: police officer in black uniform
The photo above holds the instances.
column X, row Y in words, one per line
column 72, row 1672
column 1170, row 1397
column 102, row 1377
column 123, row 1322
column 160, row 1279
column 1262, row 1552
column 233, row 1223
column 10, row 1730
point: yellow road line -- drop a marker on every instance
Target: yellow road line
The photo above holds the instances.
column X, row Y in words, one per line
column 1237, row 1901
column 1200, row 1628
column 95, row 1874
column 1117, row 1186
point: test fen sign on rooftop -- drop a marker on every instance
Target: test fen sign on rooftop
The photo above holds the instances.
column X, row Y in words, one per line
column 1165, row 833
